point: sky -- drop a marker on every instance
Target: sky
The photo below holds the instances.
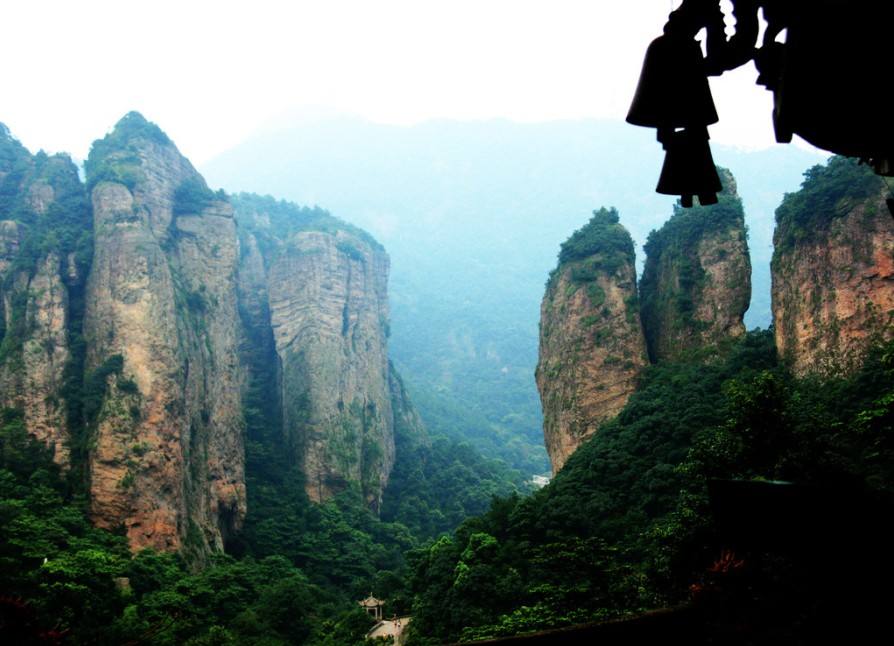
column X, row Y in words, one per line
column 212, row 73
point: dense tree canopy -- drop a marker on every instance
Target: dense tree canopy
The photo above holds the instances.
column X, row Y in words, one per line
column 829, row 191
column 625, row 525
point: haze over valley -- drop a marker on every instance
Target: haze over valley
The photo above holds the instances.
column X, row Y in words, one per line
column 472, row 214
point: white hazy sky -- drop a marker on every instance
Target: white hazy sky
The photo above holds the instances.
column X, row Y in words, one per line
column 211, row 73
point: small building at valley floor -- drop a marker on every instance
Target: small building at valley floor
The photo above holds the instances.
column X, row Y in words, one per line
column 373, row 606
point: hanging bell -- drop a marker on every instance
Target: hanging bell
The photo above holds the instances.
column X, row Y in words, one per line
column 673, row 89
column 689, row 167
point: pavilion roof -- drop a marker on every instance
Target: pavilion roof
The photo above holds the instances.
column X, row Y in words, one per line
column 371, row 602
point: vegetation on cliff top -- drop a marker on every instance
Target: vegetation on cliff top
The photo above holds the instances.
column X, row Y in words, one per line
column 132, row 125
column 671, row 303
column 65, row 227
column 114, row 157
column 15, row 162
column 281, row 219
column 828, row 192
column 603, row 242
column 600, row 247
column 687, row 226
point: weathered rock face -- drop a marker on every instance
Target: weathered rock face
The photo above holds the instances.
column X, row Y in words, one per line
column 833, row 269
column 591, row 339
column 155, row 316
column 45, row 354
column 43, row 213
column 328, row 303
column 696, row 285
column 326, row 294
column 161, row 328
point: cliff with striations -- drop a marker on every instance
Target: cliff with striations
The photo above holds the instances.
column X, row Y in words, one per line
column 142, row 327
column 696, row 284
column 44, row 253
column 591, row 339
column 161, row 329
column 833, row 269
column 321, row 286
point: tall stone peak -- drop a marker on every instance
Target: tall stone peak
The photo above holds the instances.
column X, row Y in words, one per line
column 162, row 328
column 116, row 157
column 591, row 340
column 138, row 155
column 696, row 284
column 44, row 256
column 833, row 269
column 597, row 331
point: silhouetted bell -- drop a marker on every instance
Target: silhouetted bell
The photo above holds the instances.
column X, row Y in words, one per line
column 689, row 167
column 830, row 89
column 673, row 89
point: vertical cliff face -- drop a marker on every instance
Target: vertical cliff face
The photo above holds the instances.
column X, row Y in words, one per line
column 591, row 339
column 833, row 269
column 696, row 285
column 137, row 323
column 161, row 328
column 44, row 242
column 327, row 303
column 325, row 287
column 408, row 424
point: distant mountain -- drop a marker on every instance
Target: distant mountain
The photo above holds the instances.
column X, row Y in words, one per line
column 472, row 214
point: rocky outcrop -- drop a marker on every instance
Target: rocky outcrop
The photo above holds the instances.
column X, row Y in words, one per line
column 833, row 269
column 134, row 332
column 161, row 329
column 44, row 224
column 45, row 354
column 325, row 286
column 328, row 304
column 591, row 339
column 696, row 285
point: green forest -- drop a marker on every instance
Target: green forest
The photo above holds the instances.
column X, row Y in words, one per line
column 624, row 527
column 293, row 576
